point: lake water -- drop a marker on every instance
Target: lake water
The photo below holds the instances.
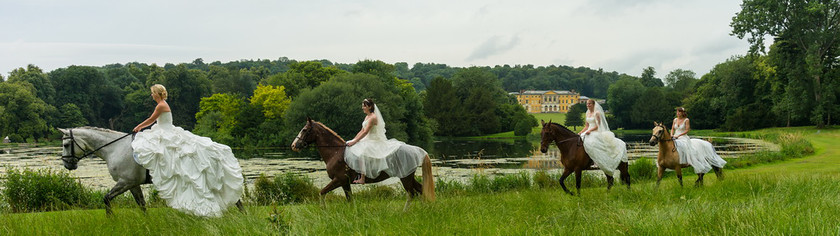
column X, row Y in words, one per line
column 453, row 159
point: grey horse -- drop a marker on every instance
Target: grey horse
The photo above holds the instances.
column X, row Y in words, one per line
column 113, row 147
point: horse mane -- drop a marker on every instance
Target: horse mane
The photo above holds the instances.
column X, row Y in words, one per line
column 100, row 129
column 562, row 127
column 330, row 130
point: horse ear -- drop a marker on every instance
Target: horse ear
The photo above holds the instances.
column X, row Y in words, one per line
column 64, row 131
column 309, row 120
column 549, row 121
column 542, row 123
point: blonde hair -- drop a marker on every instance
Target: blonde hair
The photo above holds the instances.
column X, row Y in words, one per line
column 159, row 90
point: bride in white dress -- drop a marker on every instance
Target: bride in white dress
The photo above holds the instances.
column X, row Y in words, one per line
column 370, row 152
column 698, row 153
column 192, row 173
column 600, row 143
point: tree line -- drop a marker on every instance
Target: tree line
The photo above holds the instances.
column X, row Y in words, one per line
column 263, row 102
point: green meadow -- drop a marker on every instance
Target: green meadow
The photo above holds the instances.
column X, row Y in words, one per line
column 796, row 196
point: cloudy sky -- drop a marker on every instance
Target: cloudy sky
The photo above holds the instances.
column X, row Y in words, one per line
column 616, row 35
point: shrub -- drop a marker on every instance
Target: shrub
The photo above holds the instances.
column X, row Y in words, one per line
column 43, row 190
column 379, row 192
column 283, row 189
column 452, row 187
column 480, row 183
column 521, row 180
column 642, row 169
column 795, row 145
column 545, row 180
column 522, row 128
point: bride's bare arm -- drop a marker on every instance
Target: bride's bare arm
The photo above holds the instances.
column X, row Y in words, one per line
column 160, row 108
column 363, row 132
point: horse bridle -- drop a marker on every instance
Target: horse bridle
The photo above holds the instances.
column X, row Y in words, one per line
column 305, row 143
column 74, row 144
column 568, row 139
column 658, row 139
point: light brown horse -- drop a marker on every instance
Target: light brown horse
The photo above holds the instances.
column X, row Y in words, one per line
column 331, row 148
column 572, row 154
column 669, row 157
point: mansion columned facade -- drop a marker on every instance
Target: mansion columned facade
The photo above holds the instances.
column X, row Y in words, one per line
column 548, row 101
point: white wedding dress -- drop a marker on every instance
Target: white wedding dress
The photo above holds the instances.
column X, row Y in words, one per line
column 375, row 153
column 603, row 147
column 698, row 153
column 192, row 173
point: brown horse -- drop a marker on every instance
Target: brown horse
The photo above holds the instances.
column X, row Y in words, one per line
column 331, row 148
column 669, row 157
column 572, row 154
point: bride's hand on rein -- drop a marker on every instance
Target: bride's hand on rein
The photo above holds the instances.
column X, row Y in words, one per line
column 350, row 143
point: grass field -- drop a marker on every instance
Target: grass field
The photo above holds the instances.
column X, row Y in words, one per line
column 793, row 197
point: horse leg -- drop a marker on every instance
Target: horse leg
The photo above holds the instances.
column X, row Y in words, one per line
column 118, row 189
column 678, row 170
column 699, row 181
column 333, row 184
column 240, row 206
column 578, row 177
column 566, row 173
column 610, row 181
column 625, row 173
column 718, row 172
column 659, row 172
column 138, row 197
column 348, row 192
column 408, row 185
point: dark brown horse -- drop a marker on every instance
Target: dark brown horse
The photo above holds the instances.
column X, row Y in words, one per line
column 331, row 149
column 572, row 154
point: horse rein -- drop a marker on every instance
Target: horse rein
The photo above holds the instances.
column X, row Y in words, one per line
column 75, row 144
column 658, row 139
column 306, row 144
column 568, row 139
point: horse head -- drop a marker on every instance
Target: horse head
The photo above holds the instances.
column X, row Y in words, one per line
column 73, row 149
column 657, row 133
column 552, row 132
column 304, row 137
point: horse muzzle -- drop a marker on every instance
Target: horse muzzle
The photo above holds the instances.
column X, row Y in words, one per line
column 653, row 140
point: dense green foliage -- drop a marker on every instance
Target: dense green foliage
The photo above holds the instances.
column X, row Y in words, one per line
column 43, row 190
column 473, row 103
column 283, row 189
column 574, row 117
column 806, row 31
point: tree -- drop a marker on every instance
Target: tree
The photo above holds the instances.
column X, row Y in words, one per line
column 811, row 25
column 648, row 78
column 231, row 80
column 303, row 75
column 272, row 100
column 443, row 106
column 681, row 81
column 574, row 117
column 35, row 76
column 185, row 88
column 70, row 116
column 86, row 87
column 621, row 98
column 217, row 116
column 23, row 114
column 337, row 104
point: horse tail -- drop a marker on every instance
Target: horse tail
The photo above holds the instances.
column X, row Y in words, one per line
column 428, row 180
